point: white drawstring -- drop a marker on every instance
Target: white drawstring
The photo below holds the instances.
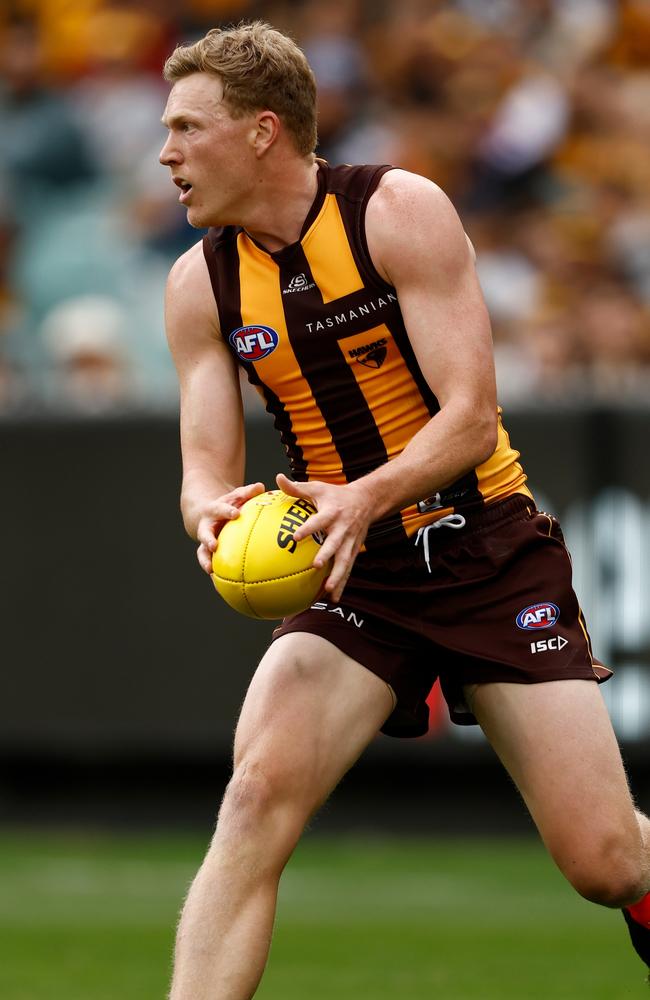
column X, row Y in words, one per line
column 449, row 521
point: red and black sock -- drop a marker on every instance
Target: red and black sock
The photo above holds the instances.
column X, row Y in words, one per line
column 637, row 918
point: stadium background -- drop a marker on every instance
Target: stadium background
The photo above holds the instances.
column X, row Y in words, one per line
column 122, row 672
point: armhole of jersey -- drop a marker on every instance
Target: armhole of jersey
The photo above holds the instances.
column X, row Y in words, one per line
column 362, row 241
column 211, row 263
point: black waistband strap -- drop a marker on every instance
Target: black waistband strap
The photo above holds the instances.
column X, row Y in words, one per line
column 502, row 510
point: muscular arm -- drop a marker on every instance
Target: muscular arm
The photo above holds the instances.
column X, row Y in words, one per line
column 212, row 424
column 418, row 245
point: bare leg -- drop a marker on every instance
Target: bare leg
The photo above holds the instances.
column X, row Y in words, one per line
column 557, row 743
column 309, row 712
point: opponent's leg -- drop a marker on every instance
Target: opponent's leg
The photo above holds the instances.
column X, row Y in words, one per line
column 557, row 743
column 308, row 714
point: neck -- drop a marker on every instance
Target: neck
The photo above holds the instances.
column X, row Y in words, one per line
column 282, row 201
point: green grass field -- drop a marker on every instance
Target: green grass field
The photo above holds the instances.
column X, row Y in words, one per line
column 91, row 918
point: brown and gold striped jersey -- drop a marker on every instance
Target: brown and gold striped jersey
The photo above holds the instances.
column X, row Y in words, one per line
column 321, row 336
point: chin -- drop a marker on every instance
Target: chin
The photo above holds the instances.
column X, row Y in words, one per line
column 197, row 220
column 203, row 220
column 217, row 214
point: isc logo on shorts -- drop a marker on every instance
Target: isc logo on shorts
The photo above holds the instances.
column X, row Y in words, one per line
column 538, row 616
column 555, row 643
column 252, row 343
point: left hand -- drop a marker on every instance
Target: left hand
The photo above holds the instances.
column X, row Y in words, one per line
column 343, row 514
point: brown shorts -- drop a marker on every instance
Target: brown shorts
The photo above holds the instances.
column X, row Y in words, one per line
column 493, row 602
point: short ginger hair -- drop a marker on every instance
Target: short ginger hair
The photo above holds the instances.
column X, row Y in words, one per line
column 260, row 68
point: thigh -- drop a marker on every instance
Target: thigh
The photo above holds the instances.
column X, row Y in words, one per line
column 557, row 742
column 387, row 649
column 308, row 714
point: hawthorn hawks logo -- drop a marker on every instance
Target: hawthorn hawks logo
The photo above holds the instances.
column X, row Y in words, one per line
column 371, row 355
column 252, row 343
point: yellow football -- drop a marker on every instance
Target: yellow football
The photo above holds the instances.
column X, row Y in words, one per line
column 259, row 568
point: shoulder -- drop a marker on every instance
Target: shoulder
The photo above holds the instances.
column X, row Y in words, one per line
column 189, row 300
column 409, row 198
column 189, row 269
column 409, row 219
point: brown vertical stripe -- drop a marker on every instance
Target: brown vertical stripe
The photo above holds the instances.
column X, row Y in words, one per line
column 333, row 385
column 262, row 303
column 224, row 270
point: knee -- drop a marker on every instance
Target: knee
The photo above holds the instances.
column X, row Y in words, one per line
column 613, row 889
column 611, row 876
column 259, row 805
column 251, row 794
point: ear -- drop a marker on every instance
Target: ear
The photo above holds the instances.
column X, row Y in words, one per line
column 266, row 131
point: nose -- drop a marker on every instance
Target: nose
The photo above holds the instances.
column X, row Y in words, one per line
column 168, row 154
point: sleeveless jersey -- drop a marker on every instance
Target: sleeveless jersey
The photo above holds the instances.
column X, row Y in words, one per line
column 321, row 337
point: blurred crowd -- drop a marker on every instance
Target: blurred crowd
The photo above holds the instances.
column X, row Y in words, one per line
column 533, row 115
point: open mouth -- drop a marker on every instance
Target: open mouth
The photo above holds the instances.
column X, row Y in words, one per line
column 185, row 187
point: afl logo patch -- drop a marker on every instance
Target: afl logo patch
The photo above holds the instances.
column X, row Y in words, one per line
column 252, row 343
column 538, row 616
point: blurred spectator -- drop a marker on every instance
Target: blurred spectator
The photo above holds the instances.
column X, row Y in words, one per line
column 8, row 305
column 615, row 332
column 119, row 100
column 46, row 148
column 526, row 128
column 90, row 370
column 329, row 36
column 627, row 242
column 542, row 362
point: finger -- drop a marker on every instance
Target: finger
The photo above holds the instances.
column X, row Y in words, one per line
column 293, row 489
column 237, row 498
column 211, row 524
column 332, row 545
column 336, row 581
column 208, row 540
column 240, row 495
column 209, row 529
column 204, row 555
column 338, row 578
column 213, row 520
column 316, row 522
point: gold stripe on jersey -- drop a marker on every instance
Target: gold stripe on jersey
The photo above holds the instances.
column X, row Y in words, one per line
column 502, row 474
column 261, row 303
column 326, row 241
column 386, row 384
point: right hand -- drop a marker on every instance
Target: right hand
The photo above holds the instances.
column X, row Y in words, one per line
column 215, row 514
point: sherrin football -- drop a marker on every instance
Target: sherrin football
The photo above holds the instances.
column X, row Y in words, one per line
column 258, row 567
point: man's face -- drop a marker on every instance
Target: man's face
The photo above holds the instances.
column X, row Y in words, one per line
column 210, row 154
